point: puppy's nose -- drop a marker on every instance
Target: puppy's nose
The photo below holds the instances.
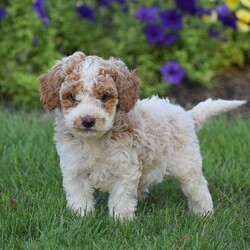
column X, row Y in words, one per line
column 88, row 121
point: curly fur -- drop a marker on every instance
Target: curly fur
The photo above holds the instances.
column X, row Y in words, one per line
column 52, row 81
column 107, row 139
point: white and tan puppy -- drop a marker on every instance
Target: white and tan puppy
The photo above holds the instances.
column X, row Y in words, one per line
column 107, row 139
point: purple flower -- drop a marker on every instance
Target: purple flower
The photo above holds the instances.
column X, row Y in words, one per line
column 171, row 19
column 230, row 21
column 173, row 72
column 223, row 10
column 203, row 11
column 188, row 6
column 216, row 34
column 108, row 4
column 2, row 13
column 147, row 14
column 169, row 39
column 123, row 4
column 85, row 12
column 39, row 8
column 154, row 34
column 224, row 39
column 226, row 17
column 105, row 2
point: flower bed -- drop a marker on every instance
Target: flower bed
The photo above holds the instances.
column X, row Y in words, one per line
column 168, row 43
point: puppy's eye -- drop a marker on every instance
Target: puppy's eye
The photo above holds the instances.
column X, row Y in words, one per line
column 104, row 98
column 72, row 97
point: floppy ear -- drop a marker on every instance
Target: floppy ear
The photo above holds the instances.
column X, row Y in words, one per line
column 128, row 86
column 50, row 83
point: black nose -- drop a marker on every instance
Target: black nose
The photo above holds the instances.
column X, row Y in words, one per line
column 88, row 122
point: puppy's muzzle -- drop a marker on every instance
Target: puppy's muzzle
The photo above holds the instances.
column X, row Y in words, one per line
column 88, row 122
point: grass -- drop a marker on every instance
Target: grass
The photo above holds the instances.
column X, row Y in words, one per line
column 33, row 206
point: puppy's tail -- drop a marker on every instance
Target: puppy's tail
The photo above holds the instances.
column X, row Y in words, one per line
column 201, row 112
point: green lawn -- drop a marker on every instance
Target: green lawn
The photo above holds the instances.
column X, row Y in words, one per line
column 33, row 213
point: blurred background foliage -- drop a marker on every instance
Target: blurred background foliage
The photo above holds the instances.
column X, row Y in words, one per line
column 36, row 33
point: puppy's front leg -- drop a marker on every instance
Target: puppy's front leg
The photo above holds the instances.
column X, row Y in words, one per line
column 123, row 201
column 123, row 195
column 79, row 193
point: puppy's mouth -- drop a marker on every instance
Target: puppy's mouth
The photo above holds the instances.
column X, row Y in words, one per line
column 89, row 133
column 83, row 129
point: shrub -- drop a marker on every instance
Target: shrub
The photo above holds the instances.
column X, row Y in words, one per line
column 27, row 48
column 200, row 39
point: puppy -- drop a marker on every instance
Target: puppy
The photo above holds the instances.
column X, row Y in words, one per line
column 107, row 139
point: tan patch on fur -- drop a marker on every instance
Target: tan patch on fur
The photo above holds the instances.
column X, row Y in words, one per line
column 78, row 123
column 123, row 132
column 73, row 77
column 99, row 123
column 68, row 137
column 125, row 138
column 106, row 86
column 69, row 88
column 50, row 83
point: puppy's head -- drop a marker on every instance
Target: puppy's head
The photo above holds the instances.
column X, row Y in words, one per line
column 89, row 90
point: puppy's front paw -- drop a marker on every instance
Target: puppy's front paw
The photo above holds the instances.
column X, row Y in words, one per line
column 81, row 210
column 128, row 216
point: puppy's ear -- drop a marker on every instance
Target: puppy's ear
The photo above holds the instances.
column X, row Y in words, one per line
column 128, row 86
column 50, row 83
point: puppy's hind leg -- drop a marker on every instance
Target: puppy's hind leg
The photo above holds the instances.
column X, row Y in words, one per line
column 194, row 184
column 199, row 198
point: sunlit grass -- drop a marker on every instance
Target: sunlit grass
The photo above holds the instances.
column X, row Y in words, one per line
column 33, row 206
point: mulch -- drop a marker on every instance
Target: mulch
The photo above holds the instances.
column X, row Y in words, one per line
column 232, row 85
